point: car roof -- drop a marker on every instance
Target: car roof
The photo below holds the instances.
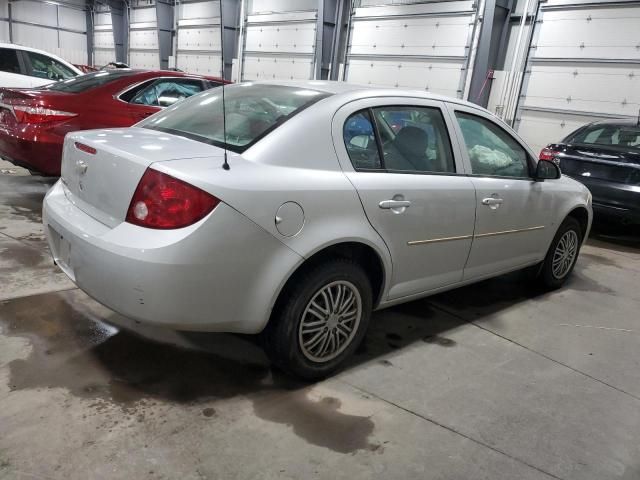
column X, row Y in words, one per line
column 346, row 88
column 618, row 122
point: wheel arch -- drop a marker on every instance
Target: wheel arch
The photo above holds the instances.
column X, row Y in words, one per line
column 581, row 214
column 362, row 252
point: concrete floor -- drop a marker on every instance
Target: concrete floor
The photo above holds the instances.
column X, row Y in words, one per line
column 492, row 381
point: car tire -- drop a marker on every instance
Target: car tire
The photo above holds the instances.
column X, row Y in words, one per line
column 562, row 254
column 305, row 315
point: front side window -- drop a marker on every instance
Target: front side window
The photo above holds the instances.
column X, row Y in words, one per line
column 251, row 112
column 492, row 151
column 43, row 66
column 399, row 139
column 9, row 60
column 166, row 92
column 414, row 139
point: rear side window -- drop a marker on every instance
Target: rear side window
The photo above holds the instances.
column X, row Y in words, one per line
column 360, row 140
column 251, row 112
column 166, row 92
column 90, row 80
column 43, row 66
column 9, row 61
column 492, row 151
column 620, row 136
column 399, row 139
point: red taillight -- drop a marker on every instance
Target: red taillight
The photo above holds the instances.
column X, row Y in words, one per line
column 547, row 154
column 85, row 148
column 39, row 114
column 164, row 202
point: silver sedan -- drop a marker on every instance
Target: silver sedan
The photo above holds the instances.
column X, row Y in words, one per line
column 332, row 200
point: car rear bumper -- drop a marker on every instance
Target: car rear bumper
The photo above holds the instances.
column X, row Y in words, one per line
column 35, row 151
column 220, row 274
column 613, row 200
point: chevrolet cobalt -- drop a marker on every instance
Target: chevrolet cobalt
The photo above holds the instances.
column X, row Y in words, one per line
column 332, row 200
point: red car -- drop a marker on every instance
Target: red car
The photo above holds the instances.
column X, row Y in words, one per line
column 33, row 122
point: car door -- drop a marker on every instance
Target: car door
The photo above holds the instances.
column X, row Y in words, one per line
column 398, row 154
column 513, row 212
column 12, row 69
column 162, row 93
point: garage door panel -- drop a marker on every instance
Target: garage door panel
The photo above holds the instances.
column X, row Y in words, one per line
column 295, row 38
column 143, row 39
column 421, row 36
column 199, row 39
column 280, row 67
column 437, row 77
column 611, row 88
column 201, row 64
column 422, row 45
column 103, row 39
column 141, row 59
column 592, row 33
column 102, row 57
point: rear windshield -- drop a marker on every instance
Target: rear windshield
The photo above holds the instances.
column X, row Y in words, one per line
column 251, row 112
column 620, row 136
column 90, row 80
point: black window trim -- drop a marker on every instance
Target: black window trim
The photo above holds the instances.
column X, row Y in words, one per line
column 530, row 163
column 376, row 133
column 21, row 62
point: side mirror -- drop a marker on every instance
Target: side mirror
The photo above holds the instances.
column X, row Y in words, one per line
column 547, row 170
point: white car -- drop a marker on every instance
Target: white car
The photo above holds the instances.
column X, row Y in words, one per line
column 24, row 67
column 338, row 200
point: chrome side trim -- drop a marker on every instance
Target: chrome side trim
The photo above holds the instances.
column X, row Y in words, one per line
column 505, row 232
column 479, row 235
column 435, row 240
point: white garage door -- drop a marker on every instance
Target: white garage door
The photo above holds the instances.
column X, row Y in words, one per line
column 143, row 38
column 280, row 44
column 199, row 47
column 103, row 46
column 425, row 45
column 584, row 66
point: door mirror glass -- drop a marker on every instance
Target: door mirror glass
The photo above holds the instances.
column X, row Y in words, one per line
column 547, row 170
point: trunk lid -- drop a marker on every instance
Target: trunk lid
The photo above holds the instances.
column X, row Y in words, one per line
column 615, row 164
column 11, row 97
column 101, row 168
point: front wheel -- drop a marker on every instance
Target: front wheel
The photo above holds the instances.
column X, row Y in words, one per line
column 562, row 254
column 321, row 319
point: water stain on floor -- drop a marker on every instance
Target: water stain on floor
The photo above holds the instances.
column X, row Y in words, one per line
column 73, row 349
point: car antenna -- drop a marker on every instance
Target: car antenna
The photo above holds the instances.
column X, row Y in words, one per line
column 225, row 165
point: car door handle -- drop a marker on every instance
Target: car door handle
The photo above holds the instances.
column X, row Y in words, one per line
column 492, row 201
column 389, row 204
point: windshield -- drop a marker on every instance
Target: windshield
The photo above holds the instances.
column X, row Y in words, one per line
column 251, row 112
column 617, row 136
column 90, row 80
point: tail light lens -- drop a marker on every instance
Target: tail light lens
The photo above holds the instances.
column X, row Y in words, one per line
column 39, row 114
column 164, row 202
column 548, row 154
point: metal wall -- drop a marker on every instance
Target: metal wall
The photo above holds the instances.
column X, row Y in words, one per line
column 198, row 46
column 61, row 30
column 279, row 40
column 418, row 45
column 584, row 65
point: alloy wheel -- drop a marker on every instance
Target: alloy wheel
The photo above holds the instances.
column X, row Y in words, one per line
column 564, row 254
column 330, row 321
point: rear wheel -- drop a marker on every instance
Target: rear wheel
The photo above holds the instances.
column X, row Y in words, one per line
column 562, row 254
column 320, row 320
